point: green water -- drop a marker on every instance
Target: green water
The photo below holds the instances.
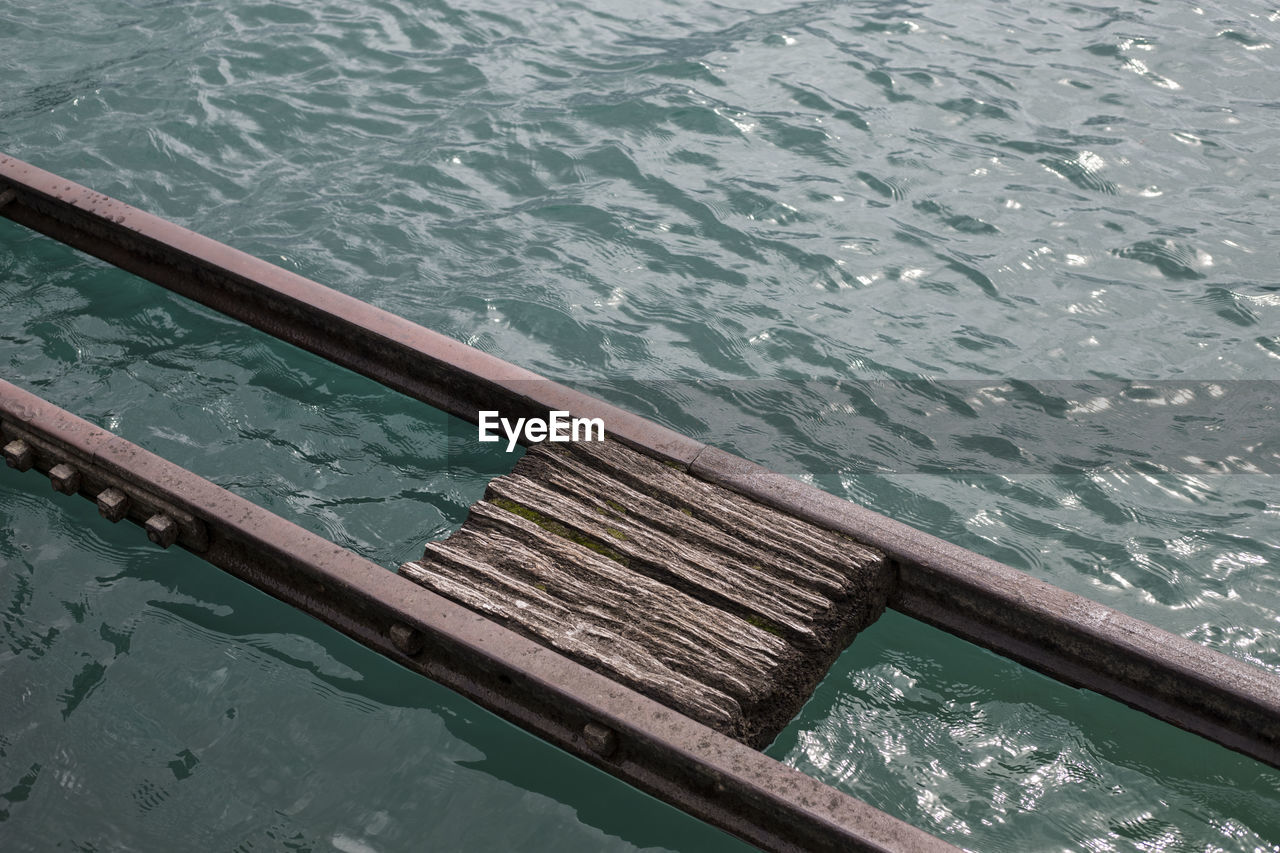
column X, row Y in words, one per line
column 759, row 225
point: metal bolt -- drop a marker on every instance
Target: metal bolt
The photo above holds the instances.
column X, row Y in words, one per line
column 18, row 454
column 406, row 639
column 64, row 478
column 113, row 504
column 161, row 529
column 602, row 739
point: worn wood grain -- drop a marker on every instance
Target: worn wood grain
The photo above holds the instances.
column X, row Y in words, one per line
column 721, row 608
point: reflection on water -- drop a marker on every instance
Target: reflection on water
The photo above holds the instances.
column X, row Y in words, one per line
column 972, row 747
column 1014, row 237
column 149, row 697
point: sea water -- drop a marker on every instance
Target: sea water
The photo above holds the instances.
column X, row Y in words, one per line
column 1004, row 271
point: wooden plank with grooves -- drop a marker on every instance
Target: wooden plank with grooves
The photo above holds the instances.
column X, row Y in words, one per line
column 707, row 601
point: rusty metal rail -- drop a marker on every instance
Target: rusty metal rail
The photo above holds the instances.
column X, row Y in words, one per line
column 1059, row 633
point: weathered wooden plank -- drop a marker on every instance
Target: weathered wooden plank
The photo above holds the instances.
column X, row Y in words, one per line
column 819, row 557
column 718, row 607
column 592, row 608
column 747, row 590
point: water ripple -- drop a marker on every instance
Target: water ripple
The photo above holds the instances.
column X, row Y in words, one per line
column 744, row 204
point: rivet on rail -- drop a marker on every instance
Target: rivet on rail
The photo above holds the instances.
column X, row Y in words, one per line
column 18, row 454
column 602, row 740
column 162, row 530
column 113, row 504
column 406, row 639
column 64, row 478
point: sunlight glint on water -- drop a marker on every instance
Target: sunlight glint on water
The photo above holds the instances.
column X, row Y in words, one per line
column 791, row 196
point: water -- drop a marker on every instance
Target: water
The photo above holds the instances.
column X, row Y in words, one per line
column 761, row 226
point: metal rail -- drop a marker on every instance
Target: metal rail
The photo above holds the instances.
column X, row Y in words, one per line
column 1057, row 632
column 632, row 737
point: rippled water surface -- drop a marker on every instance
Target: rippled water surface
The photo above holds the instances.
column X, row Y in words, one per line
column 800, row 231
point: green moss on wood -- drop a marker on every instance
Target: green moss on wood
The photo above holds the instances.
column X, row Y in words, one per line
column 552, row 526
column 611, row 509
column 519, row 509
column 764, row 625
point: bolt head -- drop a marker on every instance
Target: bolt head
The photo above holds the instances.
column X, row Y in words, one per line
column 406, row 639
column 602, row 740
column 64, row 478
column 18, row 454
column 113, row 504
column 161, row 529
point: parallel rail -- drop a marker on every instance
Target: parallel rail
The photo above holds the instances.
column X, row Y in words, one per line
column 1054, row 631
